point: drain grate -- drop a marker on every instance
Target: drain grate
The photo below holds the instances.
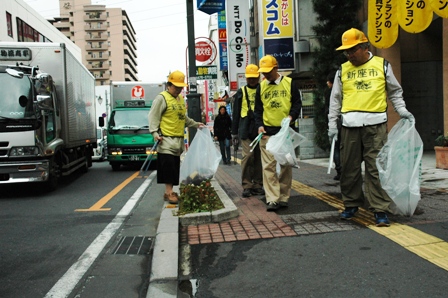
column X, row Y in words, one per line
column 129, row 245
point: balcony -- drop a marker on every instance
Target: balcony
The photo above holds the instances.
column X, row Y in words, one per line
column 95, row 17
column 95, row 27
column 89, row 37
column 96, row 57
column 104, row 76
column 97, row 67
column 96, row 47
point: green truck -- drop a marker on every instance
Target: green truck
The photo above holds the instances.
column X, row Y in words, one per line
column 128, row 139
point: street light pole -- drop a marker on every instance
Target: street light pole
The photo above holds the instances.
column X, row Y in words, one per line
column 193, row 98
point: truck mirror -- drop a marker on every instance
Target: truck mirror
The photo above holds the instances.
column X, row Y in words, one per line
column 100, row 121
column 44, row 102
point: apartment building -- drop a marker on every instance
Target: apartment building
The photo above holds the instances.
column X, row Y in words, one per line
column 105, row 36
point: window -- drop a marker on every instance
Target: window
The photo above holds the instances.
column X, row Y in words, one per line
column 9, row 24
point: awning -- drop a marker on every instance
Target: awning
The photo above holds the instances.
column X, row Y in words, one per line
column 211, row 6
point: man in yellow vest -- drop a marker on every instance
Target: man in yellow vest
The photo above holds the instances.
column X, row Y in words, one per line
column 360, row 91
column 275, row 99
column 244, row 128
column 167, row 121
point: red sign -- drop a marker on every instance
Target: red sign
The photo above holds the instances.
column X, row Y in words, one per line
column 138, row 92
column 203, row 51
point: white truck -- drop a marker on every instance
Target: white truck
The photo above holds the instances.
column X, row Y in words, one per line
column 47, row 115
column 128, row 139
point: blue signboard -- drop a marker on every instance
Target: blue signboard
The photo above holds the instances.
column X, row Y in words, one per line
column 211, row 6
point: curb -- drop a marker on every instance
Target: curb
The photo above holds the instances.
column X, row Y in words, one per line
column 163, row 281
column 164, row 269
column 229, row 211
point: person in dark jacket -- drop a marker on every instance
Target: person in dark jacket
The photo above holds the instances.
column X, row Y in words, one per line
column 221, row 132
column 244, row 128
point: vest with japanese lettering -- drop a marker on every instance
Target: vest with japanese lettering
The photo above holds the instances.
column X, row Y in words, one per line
column 172, row 123
column 276, row 101
column 250, row 92
column 364, row 87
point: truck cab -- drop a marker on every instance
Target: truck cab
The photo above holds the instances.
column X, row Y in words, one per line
column 128, row 138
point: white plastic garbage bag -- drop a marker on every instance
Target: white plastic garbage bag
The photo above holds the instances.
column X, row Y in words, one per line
column 283, row 143
column 399, row 166
column 201, row 160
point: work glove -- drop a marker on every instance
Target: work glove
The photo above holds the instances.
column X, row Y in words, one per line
column 235, row 140
column 333, row 134
column 405, row 114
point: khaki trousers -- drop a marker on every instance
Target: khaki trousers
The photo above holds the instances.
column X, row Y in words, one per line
column 360, row 144
column 276, row 186
column 251, row 170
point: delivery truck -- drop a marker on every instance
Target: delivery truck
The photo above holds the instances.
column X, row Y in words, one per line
column 128, row 139
column 47, row 115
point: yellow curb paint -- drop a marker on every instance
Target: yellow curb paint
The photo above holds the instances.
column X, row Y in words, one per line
column 426, row 246
column 98, row 206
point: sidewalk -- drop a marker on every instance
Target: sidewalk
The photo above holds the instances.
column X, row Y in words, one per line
column 315, row 212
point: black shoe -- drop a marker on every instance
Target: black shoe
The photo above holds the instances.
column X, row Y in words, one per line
column 348, row 213
column 337, row 177
column 257, row 191
column 283, row 204
column 272, row 206
column 381, row 219
column 247, row 193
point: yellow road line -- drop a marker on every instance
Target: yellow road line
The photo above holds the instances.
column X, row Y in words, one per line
column 426, row 246
column 98, row 206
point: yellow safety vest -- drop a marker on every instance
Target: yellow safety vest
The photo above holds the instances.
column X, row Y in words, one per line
column 251, row 94
column 276, row 101
column 364, row 87
column 172, row 123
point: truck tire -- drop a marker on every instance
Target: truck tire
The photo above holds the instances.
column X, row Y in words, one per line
column 53, row 180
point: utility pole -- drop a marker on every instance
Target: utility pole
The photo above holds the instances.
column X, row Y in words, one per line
column 193, row 98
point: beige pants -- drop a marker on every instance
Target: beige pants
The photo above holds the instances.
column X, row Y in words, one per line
column 276, row 186
column 251, row 171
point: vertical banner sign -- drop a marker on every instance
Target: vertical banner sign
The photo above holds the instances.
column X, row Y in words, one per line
column 440, row 7
column 222, row 31
column 382, row 23
column 414, row 16
column 278, row 30
column 238, row 39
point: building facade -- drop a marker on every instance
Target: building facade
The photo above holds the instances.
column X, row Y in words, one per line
column 102, row 38
column 106, row 38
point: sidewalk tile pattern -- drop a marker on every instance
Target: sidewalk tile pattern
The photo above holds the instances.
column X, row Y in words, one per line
column 254, row 222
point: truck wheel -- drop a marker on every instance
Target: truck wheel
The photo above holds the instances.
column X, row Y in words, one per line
column 53, row 180
column 115, row 166
column 85, row 167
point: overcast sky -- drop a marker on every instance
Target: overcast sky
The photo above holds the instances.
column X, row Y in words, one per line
column 161, row 28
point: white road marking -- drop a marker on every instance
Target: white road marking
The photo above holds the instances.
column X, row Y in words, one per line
column 71, row 278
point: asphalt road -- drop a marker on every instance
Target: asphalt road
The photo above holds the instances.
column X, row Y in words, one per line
column 44, row 234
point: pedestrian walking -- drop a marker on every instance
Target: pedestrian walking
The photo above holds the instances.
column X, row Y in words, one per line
column 337, row 151
column 167, row 121
column 275, row 99
column 360, row 91
column 221, row 133
column 244, row 129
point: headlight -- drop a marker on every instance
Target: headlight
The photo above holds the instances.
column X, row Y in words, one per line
column 115, row 151
column 24, row 151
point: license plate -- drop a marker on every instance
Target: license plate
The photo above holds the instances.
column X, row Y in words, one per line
column 134, row 158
